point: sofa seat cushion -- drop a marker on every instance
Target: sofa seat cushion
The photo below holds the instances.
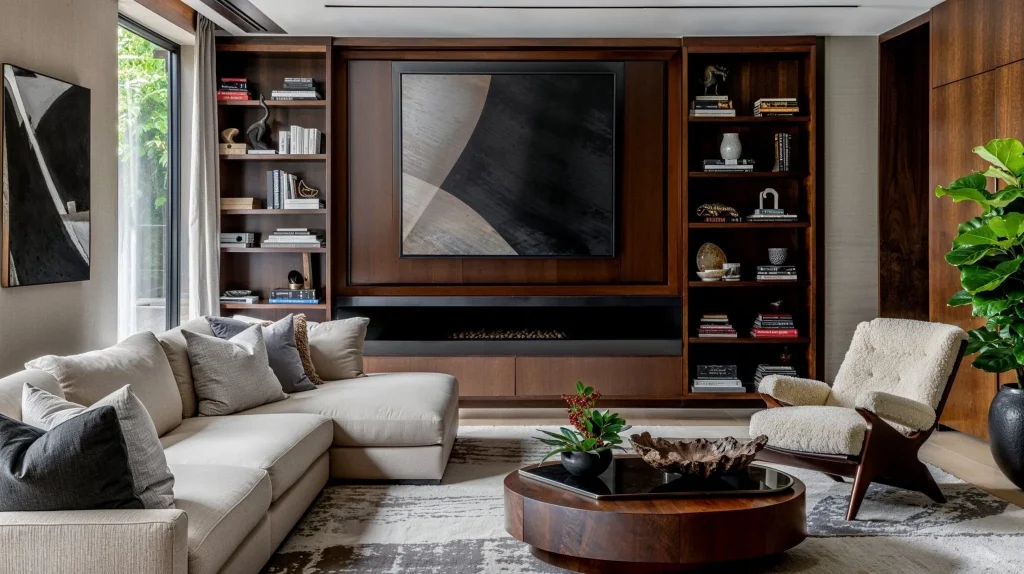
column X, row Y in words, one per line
column 284, row 445
column 823, row 430
column 389, row 409
column 223, row 505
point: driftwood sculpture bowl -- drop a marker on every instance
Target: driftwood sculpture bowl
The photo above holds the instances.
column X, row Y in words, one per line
column 700, row 457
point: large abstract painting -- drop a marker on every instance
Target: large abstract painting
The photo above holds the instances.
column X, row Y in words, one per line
column 507, row 164
column 45, row 235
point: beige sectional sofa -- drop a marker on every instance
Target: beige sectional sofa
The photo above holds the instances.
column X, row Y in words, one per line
column 241, row 481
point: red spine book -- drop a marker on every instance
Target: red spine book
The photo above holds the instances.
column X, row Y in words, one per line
column 233, row 97
column 758, row 332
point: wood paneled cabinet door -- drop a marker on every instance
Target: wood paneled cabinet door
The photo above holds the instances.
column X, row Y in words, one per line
column 963, row 115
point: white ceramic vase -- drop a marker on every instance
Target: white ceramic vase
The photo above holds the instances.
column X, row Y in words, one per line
column 731, row 147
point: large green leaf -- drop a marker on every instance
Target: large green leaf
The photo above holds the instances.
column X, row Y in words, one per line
column 979, row 236
column 996, row 360
column 1007, row 154
column 978, row 196
column 1007, row 226
column 979, row 278
column 1000, row 173
column 960, row 298
column 1005, row 196
column 980, row 338
column 972, row 223
column 990, row 303
column 970, row 254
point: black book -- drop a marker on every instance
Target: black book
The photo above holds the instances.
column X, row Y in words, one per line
column 716, row 371
column 233, row 87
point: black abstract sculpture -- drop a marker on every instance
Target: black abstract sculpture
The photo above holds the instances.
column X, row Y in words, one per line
column 254, row 133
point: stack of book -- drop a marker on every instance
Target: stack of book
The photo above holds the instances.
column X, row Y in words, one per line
column 233, row 90
column 771, row 107
column 765, row 370
column 282, row 192
column 240, row 239
column 783, row 142
column 717, row 379
column 294, row 296
column 296, row 89
column 774, row 326
column 776, row 273
column 712, row 107
column 729, row 165
column 715, row 325
column 299, row 141
column 229, row 203
column 248, row 299
column 292, row 237
column 771, row 215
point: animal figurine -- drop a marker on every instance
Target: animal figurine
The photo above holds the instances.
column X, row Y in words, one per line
column 228, row 136
column 254, row 133
column 711, row 75
column 716, row 210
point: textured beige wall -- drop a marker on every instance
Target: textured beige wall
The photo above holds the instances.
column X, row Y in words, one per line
column 76, row 41
column 851, row 191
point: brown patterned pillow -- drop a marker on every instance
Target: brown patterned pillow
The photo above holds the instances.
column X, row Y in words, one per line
column 302, row 344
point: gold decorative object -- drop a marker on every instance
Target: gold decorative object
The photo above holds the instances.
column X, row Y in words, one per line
column 700, row 457
column 710, row 256
column 229, row 146
column 306, row 191
column 228, row 136
column 711, row 77
column 716, row 210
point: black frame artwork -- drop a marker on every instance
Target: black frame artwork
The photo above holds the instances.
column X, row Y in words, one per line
column 46, row 149
column 519, row 211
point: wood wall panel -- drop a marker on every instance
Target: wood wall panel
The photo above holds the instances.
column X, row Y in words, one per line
column 374, row 208
column 634, row 377
column 174, row 11
column 970, row 37
column 903, row 190
column 478, row 376
column 963, row 115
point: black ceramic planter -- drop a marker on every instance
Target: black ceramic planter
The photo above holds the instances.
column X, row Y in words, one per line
column 1006, row 432
column 587, row 464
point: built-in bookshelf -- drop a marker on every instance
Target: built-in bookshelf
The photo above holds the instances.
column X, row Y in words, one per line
column 265, row 63
column 757, row 68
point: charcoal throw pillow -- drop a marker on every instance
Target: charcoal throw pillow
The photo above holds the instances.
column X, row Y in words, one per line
column 282, row 352
column 79, row 465
column 152, row 480
column 232, row 375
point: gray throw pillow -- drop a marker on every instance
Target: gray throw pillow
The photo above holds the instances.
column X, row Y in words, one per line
column 152, row 480
column 80, row 465
column 232, row 375
column 282, row 352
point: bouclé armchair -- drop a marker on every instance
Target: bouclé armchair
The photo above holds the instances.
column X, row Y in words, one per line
column 883, row 405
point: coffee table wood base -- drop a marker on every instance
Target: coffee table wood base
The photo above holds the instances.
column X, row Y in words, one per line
column 589, row 566
column 662, row 535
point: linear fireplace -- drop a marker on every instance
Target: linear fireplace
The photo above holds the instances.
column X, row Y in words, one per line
column 577, row 326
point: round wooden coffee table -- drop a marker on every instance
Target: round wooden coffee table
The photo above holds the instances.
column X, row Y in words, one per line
column 660, row 535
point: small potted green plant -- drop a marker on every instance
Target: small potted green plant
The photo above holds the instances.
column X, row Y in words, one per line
column 586, row 448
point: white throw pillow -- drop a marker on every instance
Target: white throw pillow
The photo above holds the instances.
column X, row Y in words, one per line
column 337, row 348
column 173, row 343
column 138, row 361
column 152, row 480
column 232, row 375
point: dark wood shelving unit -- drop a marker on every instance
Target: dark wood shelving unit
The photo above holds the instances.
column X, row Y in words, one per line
column 758, row 68
column 265, row 62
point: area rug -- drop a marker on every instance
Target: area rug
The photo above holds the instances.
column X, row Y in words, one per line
column 457, row 527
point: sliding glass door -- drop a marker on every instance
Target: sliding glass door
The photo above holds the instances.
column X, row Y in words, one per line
column 148, row 182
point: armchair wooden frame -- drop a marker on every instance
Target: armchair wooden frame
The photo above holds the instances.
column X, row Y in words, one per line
column 887, row 457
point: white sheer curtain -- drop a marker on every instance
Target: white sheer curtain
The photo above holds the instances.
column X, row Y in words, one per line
column 128, row 198
column 203, row 215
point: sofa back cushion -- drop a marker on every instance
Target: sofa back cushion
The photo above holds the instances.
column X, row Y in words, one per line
column 138, row 361
column 11, row 386
column 173, row 343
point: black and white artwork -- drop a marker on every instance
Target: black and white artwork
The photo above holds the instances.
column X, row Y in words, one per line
column 507, row 164
column 45, row 180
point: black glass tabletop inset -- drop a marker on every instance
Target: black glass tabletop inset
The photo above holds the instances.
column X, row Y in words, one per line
column 631, row 477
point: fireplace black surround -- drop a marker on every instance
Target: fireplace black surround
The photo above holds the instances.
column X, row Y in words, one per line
column 585, row 326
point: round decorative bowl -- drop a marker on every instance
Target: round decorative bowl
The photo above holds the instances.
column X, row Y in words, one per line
column 711, row 274
column 587, row 464
column 238, row 293
column 701, row 458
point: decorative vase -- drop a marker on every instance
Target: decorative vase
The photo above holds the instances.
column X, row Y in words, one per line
column 1006, row 432
column 587, row 464
column 731, row 147
column 777, row 255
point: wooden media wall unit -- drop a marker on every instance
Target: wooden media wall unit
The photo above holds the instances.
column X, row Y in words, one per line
column 624, row 324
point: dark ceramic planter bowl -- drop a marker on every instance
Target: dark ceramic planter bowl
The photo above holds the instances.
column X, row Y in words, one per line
column 1006, row 432
column 587, row 464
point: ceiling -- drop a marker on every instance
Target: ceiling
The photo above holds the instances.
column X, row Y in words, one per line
column 576, row 18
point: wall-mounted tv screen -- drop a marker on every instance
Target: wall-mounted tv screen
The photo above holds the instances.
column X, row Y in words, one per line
column 503, row 159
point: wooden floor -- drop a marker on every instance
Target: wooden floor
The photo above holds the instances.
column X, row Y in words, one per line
column 958, row 454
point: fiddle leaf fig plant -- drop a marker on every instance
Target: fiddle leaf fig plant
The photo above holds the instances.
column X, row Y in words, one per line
column 989, row 252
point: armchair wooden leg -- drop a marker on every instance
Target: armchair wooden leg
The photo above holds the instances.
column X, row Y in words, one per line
column 865, row 474
column 835, row 477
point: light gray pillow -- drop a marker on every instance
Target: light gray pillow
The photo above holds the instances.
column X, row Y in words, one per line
column 152, row 481
column 282, row 352
column 232, row 375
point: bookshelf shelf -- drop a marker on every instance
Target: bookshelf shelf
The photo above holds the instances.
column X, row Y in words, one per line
column 275, row 157
column 274, row 249
column 275, row 104
column 263, row 305
column 748, row 175
column 274, row 212
column 751, row 225
column 750, row 120
column 696, row 284
column 724, row 396
column 749, row 341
